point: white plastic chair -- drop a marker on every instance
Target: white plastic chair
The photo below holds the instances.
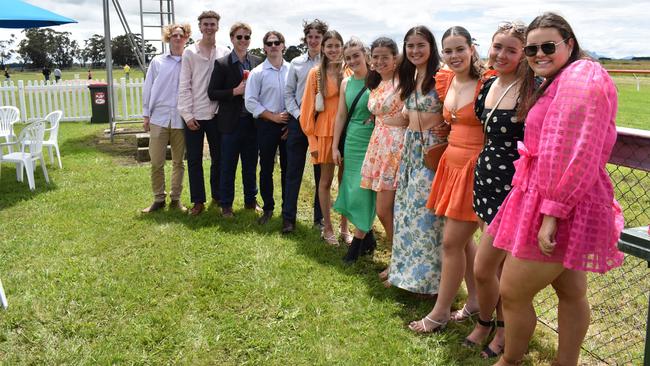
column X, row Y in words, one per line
column 52, row 140
column 30, row 138
column 8, row 116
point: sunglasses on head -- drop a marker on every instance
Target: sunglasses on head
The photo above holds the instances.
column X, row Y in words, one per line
column 547, row 47
column 272, row 43
column 516, row 26
column 246, row 37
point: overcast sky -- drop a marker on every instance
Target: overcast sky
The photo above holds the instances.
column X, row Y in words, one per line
column 608, row 27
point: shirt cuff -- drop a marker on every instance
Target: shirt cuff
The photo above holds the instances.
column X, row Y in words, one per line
column 186, row 116
column 295, row 113
column 555, row 209
column 259, row 110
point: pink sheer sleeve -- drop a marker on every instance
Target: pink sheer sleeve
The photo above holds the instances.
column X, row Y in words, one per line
column 574, row 135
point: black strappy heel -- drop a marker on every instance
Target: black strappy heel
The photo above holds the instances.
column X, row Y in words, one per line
column 488, row 324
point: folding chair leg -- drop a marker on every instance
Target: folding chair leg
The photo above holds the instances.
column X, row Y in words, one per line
column 3, row 298
column 47, row 178
column 19, row 172
column 58, row 156
column 30, row 174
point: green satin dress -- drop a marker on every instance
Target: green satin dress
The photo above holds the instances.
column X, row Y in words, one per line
column 355, row 203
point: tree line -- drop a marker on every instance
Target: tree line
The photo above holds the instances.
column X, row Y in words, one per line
column 44, row 47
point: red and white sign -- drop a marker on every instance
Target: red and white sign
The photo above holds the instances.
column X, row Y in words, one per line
column 100, row 98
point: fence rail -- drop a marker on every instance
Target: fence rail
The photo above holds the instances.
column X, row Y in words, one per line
column 36, row 99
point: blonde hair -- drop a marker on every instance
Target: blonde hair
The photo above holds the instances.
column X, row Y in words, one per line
column 240, row 25
column 169, row 29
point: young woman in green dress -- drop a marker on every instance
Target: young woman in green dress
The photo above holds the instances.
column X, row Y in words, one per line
column 354, row 202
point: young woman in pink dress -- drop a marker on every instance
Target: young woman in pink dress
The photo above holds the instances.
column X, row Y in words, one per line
column 560, row 219
column 381, row 164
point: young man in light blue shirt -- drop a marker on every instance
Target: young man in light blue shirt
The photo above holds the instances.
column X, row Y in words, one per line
column 264, row 99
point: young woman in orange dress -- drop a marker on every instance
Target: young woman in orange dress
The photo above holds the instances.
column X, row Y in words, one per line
column 318, row 126
column 451, row 190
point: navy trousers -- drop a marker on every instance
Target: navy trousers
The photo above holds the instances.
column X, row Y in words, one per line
column 269, row 141
column 297, row 146
column 241, row 142
column 194, row 148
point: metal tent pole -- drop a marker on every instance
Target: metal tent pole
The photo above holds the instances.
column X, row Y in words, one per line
column 109, row 66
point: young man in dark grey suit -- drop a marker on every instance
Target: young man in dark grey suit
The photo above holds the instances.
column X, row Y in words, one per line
column 235, row 123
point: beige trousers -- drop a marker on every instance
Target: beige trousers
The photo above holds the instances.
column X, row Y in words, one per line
column 158, row 139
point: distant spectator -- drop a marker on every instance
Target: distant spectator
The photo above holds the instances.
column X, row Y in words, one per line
column 90, row 75
column 57, row 74
column 46, row 73
column 127, row 70
column 7, row 76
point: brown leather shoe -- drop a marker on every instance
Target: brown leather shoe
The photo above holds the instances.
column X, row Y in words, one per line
column 288, row 226
column 154, row 207
column 253, row 206
column 177, row 205
column 197, row 209
column 266, row 216
column 227, row 212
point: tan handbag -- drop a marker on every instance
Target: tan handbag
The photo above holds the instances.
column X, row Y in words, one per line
column 320, row 101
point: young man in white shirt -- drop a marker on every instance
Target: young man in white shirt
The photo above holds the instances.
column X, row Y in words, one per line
column 198, row 111
column 162, row 119
column 264, row 99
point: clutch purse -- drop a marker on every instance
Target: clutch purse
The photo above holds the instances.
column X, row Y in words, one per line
column 432, row 155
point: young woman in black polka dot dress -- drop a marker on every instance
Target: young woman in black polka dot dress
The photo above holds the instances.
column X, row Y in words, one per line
column 496, row 108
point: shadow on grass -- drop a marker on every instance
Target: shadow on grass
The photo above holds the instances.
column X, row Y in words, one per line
column 13, row 191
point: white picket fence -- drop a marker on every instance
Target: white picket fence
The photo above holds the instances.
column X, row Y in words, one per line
column 36, row 99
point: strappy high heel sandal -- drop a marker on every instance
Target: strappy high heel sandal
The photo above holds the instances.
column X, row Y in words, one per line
column 487, row 324
column 329, row 239
column 489, row 352
column 437, row 326
column 346, row 236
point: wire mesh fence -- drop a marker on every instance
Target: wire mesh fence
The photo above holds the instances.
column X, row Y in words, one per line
column 618, row 299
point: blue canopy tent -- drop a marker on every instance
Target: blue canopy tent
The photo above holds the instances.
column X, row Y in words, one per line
column 19, row 14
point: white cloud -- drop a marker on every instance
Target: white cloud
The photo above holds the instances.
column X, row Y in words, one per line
column 609, row 28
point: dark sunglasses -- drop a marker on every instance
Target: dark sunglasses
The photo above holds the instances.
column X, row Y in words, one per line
column 516, row 26
column 272, row 43
column 246, row 37
column 547, row 47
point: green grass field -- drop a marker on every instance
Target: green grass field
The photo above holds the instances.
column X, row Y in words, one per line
column 91, row 281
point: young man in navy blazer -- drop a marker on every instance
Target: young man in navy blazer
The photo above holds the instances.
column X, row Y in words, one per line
column 235, row 123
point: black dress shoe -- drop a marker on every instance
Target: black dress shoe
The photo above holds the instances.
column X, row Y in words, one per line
column 154, row 207
column 288, row 226
column 369, row 244
column 353, row 251
column 266, row 216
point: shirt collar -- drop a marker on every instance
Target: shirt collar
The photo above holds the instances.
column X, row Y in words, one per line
column 234, row 59
column 267, row 65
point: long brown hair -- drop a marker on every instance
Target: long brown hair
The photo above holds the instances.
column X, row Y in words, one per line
column 407, row 82
column 324, row 61
column 528, row 93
